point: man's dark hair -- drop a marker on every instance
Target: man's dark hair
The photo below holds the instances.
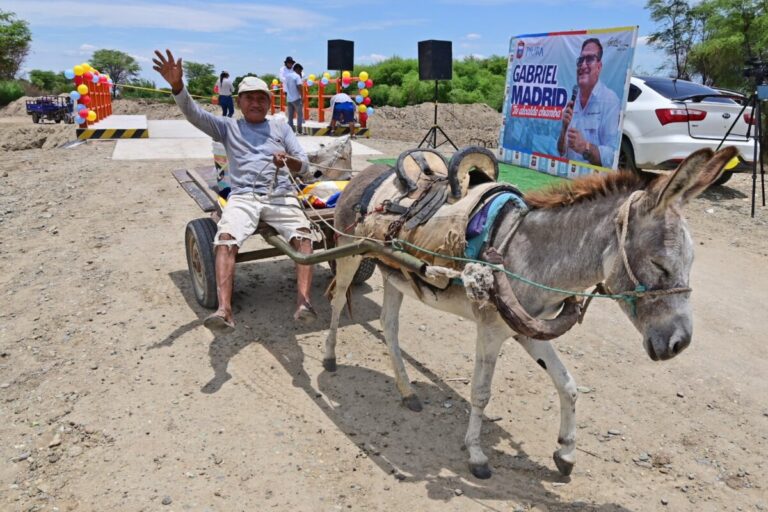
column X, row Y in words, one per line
column 594, row 41
column 298, row 68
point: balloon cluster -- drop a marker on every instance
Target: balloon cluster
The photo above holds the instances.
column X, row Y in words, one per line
column 83, row 74
column 364, row 83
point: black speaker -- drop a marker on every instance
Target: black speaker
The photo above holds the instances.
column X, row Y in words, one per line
column 435, row 60
column 341, row 54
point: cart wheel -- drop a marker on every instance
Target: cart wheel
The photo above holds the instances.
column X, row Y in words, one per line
column 364, row 271
column 35, row 118
column 198, row 241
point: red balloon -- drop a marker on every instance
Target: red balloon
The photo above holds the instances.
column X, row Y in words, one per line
column 78, row 79
column 367, row 101
column 83, row 113
column 369, row 83
column 103, row 79
column 346, row 81
column 85, row 100
column 88, row 76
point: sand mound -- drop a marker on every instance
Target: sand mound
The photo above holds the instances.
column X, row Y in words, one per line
column 465, row 124
column 153, row 109
column 16, row 108
column 48, row 136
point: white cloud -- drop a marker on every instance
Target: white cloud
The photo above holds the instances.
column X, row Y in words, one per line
column 140, row 58
column 86, row 49
column 386, row 24
column 472, row 36
column 189, row 16
column 371, row 59
column 642, row 40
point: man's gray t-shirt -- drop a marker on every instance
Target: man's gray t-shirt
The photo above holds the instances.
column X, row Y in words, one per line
column 249, row 146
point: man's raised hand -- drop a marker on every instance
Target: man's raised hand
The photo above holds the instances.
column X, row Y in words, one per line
column 170, row 69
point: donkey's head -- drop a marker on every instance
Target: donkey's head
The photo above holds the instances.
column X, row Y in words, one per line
column 655, row 253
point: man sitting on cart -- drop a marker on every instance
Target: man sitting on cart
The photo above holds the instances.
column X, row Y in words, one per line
column 257, row 148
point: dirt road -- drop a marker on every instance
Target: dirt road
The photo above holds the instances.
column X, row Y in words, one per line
column 114, row 397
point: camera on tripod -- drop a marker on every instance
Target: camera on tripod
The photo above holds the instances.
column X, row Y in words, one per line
column 756, row 69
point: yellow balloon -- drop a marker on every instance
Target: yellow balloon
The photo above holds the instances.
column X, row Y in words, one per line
column 346, row 74
column 363, row 76
column 92, row 115
column 364, row 93
column 78, row 70
column 326, row 75
column 274, row 81
column 82, row 89
column 312, row 77
column 86, row 67
column 362, row 109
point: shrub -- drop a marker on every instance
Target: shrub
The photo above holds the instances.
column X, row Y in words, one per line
column 10, row 90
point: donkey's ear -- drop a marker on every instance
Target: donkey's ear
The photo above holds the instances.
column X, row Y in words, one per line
column 667, row 190
column 711, row 172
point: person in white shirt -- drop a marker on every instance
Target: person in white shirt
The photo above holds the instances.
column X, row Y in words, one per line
column 343, row 112
column 225, row 95
column 294, row 86
column 286, row 68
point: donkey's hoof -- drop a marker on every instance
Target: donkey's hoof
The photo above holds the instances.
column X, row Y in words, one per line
column 329, row 364
column 481, row 471
column 412, row 402
column 563, row 466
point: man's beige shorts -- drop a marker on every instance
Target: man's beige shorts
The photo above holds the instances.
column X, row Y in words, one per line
column 242, row 213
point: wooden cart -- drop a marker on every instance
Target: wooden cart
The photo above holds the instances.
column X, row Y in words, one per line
column 201, row 185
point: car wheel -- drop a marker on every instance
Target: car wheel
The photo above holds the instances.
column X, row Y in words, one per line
column 627, row 156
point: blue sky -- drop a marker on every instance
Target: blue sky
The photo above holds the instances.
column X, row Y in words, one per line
column 249, row 36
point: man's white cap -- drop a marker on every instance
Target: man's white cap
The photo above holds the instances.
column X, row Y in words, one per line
column 251, row 83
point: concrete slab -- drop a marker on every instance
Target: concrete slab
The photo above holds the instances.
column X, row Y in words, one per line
column 119, row 122
column 174, row 129
column 163, row 149
column 169, row 148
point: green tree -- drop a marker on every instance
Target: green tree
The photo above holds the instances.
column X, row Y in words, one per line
column 678, row 29
column 200, row 78
column 49, row 81
column 130, row 92
column 120, row 66
column 14, row 44
column 737, row 29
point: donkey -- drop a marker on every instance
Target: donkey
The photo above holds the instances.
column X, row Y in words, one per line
column 618, row 229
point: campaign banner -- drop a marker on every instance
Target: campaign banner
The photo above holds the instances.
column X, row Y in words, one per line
column 565, row 99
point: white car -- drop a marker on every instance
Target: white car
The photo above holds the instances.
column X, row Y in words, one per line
column 667, row 119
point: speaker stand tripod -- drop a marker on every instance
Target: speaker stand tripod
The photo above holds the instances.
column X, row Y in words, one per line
column 757, row 159
column 431, row 137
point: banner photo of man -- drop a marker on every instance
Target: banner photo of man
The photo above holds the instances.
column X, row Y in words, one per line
column 565, row 98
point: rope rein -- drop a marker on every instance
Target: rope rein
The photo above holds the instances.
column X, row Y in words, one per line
column 622, row 223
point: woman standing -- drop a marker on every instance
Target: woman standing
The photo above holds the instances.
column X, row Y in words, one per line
column 225, row 95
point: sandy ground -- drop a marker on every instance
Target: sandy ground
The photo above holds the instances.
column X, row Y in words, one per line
column 114, row 397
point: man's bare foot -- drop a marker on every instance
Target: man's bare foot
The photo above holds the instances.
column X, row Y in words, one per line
column 305, row 313
column 218, row 324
